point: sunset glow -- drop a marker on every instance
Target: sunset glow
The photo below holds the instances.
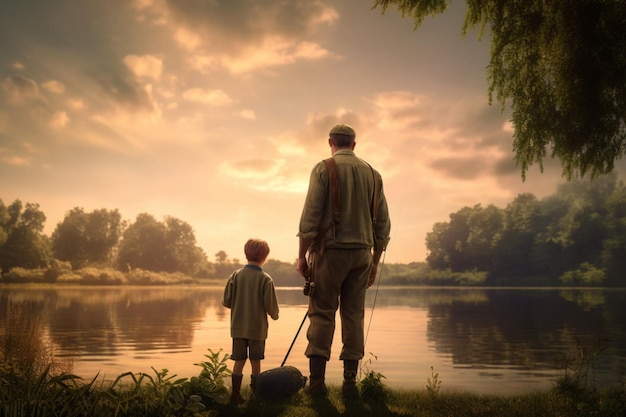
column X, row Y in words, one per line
column 215, row 113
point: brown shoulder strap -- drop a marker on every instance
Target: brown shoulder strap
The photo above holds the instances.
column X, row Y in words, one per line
column 334, row 190
column 376, row 197
column 334, row 187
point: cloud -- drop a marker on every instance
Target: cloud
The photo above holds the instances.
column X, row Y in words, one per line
column 252, row 168
column 247, row 114
column 17, row 66
column 211, row 97
column 274, row 51
column 314, row 136
column 145, row 66
column 16, row 161
column 123, row 91
column 21, row 156
column 268, row 176
column 20, row 90
column 398, row 108
column 27, row 113
column 243, row 21
column 76, row 104
column 242, row 36
column 463, row 168
column 460, row 141
column 59, row 120
column 54, row 86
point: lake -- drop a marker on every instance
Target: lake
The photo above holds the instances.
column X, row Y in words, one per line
column 484, row 341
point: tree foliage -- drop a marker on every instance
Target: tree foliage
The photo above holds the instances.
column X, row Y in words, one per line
column 561, row 67
column 87, row 238
column 575, row 236
column 22, row 242
column 168, row 246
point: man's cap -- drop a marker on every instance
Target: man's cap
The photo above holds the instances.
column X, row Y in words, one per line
column 342, row 129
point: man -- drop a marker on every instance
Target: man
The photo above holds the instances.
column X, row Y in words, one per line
column 346, row 239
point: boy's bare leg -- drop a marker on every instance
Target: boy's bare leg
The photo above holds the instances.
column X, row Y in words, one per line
column 238, row 367
column 256, row 366
column 256, row 370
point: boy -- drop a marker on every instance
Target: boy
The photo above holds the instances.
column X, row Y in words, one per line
column 251, row 297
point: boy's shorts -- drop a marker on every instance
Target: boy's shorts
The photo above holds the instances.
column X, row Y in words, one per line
column 241, row 347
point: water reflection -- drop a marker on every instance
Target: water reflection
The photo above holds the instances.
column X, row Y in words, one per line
column 99, row 321
column 479, row 340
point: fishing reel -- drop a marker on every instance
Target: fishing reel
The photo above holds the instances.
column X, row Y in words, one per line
column 309, row 286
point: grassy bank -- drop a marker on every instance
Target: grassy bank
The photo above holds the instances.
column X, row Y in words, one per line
column 421, row 403
column 153, row 400
column 207, row 395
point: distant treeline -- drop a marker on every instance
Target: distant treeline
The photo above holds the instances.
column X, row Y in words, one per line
column 98, row 247
column 576, row 237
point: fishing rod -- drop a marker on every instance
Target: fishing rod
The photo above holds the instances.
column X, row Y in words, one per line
column 380, row 276
column 294, row 339
column 309, row 286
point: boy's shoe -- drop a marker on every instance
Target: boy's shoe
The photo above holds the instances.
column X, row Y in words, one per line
column 236, row 398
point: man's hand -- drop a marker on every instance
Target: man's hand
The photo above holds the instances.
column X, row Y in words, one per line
column 302, row 267
column 372, row 277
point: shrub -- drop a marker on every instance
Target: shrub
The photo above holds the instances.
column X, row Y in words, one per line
column 105, row 276
column 22, row 275
column 143, row 277
column 373, row 389
column 586, row 275
column 209, row 384
column 56, row 269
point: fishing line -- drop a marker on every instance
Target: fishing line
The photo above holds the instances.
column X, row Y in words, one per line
column 380, row 274
column 382, row 263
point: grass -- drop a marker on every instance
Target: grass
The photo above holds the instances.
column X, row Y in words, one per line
column 163, row 394
column 421, row 403
column 571, row 395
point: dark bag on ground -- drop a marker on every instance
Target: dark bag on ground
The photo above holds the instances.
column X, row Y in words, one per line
column 279, row 383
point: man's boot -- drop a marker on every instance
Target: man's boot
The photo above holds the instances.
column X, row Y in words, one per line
column 349, row 389
column 317, row 367
column 235, row 396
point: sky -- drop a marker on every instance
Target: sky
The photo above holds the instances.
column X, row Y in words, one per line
column 215, row 111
